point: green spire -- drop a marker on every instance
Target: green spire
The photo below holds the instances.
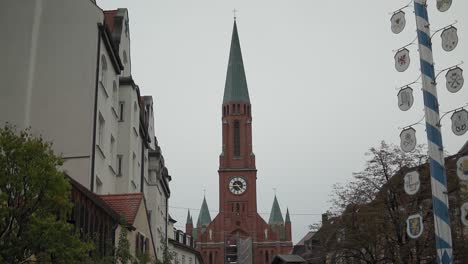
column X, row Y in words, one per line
column 288, row 220
column 235, row 89
column 275, row 216
column 204, row 217
column 189, row 218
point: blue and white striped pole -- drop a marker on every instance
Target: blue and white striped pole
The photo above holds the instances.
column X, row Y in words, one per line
column 440, row 204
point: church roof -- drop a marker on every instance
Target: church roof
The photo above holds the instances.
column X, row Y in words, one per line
column 235, row 89
column 189, row 218
column 287, row 220
column 275, row 216
column 204, row 217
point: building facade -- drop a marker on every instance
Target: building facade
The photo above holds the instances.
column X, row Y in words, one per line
column 238, row 234
column 70, row 81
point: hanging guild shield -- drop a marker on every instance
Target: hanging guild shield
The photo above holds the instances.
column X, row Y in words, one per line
column 460, row 122
column 443, row 5
column 412, row 182
column 408, row 139
column 454, row 79
column 402, row 60
column 398, row 22
column 414, row 225
column 405, row 98
column 464, row 214
column 449, row 38
column 462, row 168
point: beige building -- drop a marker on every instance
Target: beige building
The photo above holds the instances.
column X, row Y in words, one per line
column 69, row 79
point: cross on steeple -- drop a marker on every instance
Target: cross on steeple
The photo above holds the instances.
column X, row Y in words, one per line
column 234, row 11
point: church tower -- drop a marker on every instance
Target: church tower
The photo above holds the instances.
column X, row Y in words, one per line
column 238, row 234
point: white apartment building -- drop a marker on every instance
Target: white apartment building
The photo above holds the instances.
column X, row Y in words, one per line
column 68, row 77
column 182, row 246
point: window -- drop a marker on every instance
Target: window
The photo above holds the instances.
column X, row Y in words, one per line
column 121, row 111
column 101, row 127
column 115, row 94
column 236, row 138
column 133, row 166
column 112, row 150
column 135, row 111
column 119, row 164
column 98, row 185
column 103, row 70
column 125, row 59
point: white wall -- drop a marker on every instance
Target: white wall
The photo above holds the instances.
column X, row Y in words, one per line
column 129, row 141
column 107, row 109
column 48, row 82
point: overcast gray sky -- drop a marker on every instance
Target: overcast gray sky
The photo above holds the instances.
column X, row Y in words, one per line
column 322, row 85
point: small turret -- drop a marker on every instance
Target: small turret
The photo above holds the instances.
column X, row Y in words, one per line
column 204, row 218
column 275, row 216
column 287, row 226
column 189, row 224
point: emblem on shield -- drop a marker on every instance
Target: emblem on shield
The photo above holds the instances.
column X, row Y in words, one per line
column 454, row 80
column 405, row 98
column 412, row 182
column 408, row 139
column 402, row 60
column 414, row 225
column 462, row 168
column 449, row 38
column 398, row 22
column 443, row 5
column 460, row 122
column 464, row 214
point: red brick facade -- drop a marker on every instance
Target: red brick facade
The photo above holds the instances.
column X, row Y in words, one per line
column 238, row 217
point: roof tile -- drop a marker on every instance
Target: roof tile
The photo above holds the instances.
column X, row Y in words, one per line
column 126, row 204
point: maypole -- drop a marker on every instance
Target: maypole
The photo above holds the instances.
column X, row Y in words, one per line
column 443, row 233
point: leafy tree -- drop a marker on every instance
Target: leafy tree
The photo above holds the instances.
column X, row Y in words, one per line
column 168, row 255
column 122, row 253
column 34, row 203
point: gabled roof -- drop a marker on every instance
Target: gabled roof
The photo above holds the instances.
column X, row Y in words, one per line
column 204, row 217
column 275, row 216
column 306, row 237
column 235, row 89
column 126, row 204
column 94, row 198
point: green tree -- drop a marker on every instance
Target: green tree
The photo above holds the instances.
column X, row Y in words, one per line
column 34, row 203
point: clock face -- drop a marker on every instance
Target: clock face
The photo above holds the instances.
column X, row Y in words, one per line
column 237, row 185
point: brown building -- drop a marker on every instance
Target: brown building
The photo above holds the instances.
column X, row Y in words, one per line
column 238, row 234
column 377, row 231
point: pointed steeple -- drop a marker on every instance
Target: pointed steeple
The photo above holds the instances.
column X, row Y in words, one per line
column 275, row 216
column 204, row 217
column 287, row 220
column 235, row 89
column 189, row 218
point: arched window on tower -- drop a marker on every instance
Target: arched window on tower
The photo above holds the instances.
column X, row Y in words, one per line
column 237, row 207
column 227, row 111
column 236, row 138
